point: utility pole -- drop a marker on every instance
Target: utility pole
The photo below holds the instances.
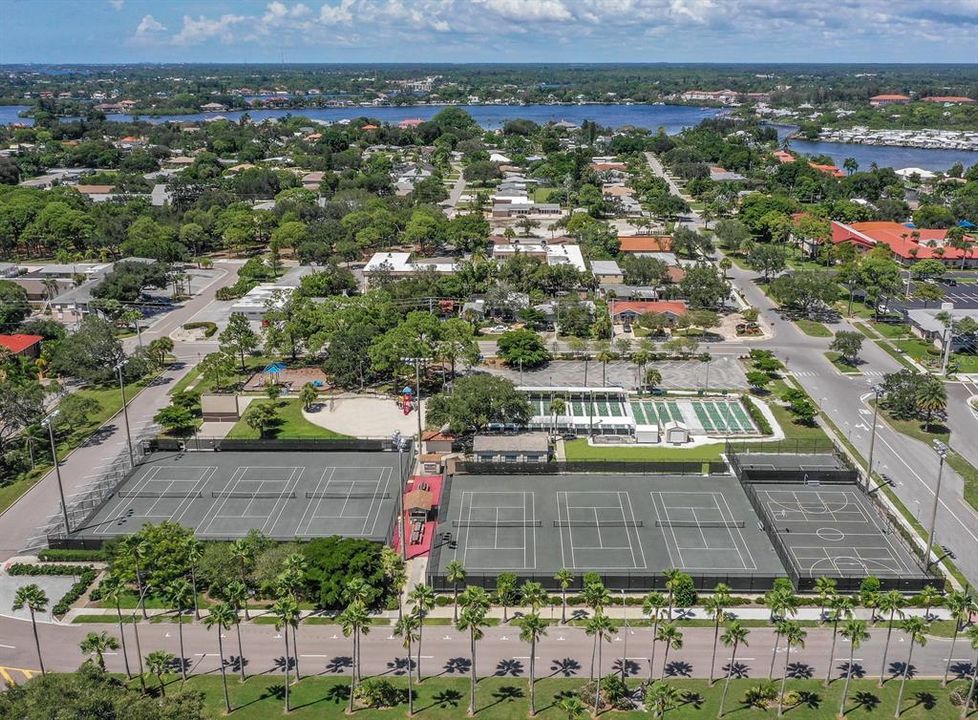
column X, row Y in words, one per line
column 878, row 393
column 125, row 415
column 417, row 362
column 942, row 450
column 48, row 421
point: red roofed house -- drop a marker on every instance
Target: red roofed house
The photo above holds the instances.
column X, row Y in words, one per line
column 784, row 157
column 908, row 244
column 622, row 310
column 832, row 170
column 410, row 123
column 881, row 100
column 24, row 345
column 608, row 166
column 645, row 243
column 950, row 99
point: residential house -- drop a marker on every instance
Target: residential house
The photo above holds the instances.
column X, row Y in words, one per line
column 607, row 272
column 925, row 324
column 436, row 441
column 950, row 99
column 553, row 253
column 400, row 265
column 643, row 245
column 723, row 97
column 883, row 100
column 24, row 345
column 630, row 310
column 213, row 107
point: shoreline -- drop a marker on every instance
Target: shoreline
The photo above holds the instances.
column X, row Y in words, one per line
column 961, row 141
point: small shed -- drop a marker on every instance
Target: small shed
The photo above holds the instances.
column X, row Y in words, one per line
column 436, row 441
column 418, row 503
column 647, row 434
column 676, row 433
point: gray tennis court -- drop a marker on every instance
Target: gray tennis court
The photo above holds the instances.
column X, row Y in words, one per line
column 624, row 525
column 286, row 495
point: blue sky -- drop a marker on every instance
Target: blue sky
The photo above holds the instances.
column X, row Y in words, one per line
column 235, row 31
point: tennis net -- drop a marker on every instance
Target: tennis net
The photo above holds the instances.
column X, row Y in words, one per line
column 700, row 524
column 496, row 523
column 347, row 496
column 252, row 495
column 598, row 523
column 162, row 494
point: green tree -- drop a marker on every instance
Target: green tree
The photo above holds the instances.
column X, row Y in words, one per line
column 113, row 588
column 14, row 306
column 475, row 402
column 216, row 367
column 847, row 343
column 455, row 574
column 671, row 638
column 354, row 622
column 422, row 598
column 660, row 696
column 408, row 628
column 794, row 636
column 888, row 603
column 652, row 605
column 769, row 260
column 704, row 286
column 840, row 609
column 475, row 605
column 914, row 627
column 238, row 338
column 716, row 605
column 564, row 578
column 285, row 610
column 601, row 628
column 180, row 594
column 158, row 662
column 733, row 637
column 968, row 700
column 308, row 396
column 506, row 591
column 826, row 588
column 855, row 632
column 931, row 398
column 653, row 378
column 961, row 605
column 457, row 342
column 532, row 628
column 237, row 594
column 261, row 417
column 36, row 601
column 97, row 644
column 522, row 348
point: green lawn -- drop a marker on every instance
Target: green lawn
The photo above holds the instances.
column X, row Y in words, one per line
column 580, row 450
column 891, row 330
column 918, row 349
column 542, row 195
column 812, row 328
column 967, row 363
column 291, row 424
column 505, row 698
column 841, row 365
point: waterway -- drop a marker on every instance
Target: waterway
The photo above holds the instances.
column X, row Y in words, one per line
column 673, row 118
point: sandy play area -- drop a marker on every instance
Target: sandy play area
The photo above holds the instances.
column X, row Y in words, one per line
column 362, row 416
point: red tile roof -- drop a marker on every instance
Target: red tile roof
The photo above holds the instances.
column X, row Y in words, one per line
column 899, row 238
column 641, row 307
column 645, row 243
column 963, row 99
column 832, row 170
column 889, row 97
column 784, row 157
column 19, row 343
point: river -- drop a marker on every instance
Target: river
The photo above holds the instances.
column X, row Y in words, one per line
column 671, row 117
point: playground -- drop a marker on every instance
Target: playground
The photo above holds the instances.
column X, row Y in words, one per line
column 363, row 416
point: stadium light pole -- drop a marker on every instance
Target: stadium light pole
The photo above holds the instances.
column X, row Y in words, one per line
column 125, row 414
column 399, row 444
column 48, row 421
column 942, row 450
column 417, row 362
column 624, row 649
column 877, row 392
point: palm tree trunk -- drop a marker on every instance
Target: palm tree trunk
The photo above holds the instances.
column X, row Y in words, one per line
column 713, row 659
column 774, row 655
column 142, row 591
column 726, row 682
column 533, row 651
column 295, row 649
column 655, row 627
column 784, row 679
column 886, row 650
column 241, row 660
column 420, row 635
column 122, row 637
column 162, row 686
column 665, row 661
column 828, row 673
column 224, row 677
column 845, row 688
column 597, row 680
column 563, row 603
column 454, row 606
column 288, row 658
column 408, row 673
column 183, row 655
column 594, row 652
column 139, row 655
column 950, row 653
column 472, row 673
column 353, row 675
column 193, row 584
column 903, row 681
column 37, row 642
column 966, row 705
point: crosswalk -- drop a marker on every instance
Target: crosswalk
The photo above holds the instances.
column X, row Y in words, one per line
column 868, row 372
column 13, row 676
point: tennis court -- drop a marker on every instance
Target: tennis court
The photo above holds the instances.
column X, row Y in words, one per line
column 624, row 526
column 286, row 495
column 702, row 417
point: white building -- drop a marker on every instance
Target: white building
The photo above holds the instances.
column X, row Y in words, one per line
column 400, row 264
column 554, row 254
column 260, row 299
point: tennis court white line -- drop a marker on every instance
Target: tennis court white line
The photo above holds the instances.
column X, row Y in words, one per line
column 283, row 502
column 628, row 534
column 385, row 477
column 658, row 517
column 318, row 490
column 743, row 540
column 220, row 501
column 638, row 538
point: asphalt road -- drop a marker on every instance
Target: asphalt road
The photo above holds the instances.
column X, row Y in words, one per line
column 566, row 651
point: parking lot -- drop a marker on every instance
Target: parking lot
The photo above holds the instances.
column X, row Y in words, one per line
column 724, row 372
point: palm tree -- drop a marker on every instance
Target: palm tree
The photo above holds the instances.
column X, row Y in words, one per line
column 597, row 626
column 533, row 596
column 532, row 628
column 242, row 554
column 672, row 637
column 652, row 606
column 393, row 566
column 972, row 634
column 112, row 590
column 505, row 585
column 98, row 644
column 889, row 602
column 914, row 627
column 286, row 614
column 423, row 599
column 672, row 576
column 932, row 398
column 195, row 552
column 840, row 609
column 928, row 597
column 640, row 358
column 33, row 598
column 237, row 595
column 855, row 632
column 308, row 396
column 604, row 356
column 660, row 696
column 717, row 605
column 733, row 637
column 133, row 545
column 782, row 603
column 455, row 574
column 408, row 629
column 475, row 603
column 794, row 636
column 564, row 578
column 181, row 594
column 355, row 621
column 827, row 589
column 158, row 663
column 221, row 617
column 961, row 605
column 596, row 596
column 573, row 707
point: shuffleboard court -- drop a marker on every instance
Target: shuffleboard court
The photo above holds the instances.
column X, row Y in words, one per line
column 286, row 495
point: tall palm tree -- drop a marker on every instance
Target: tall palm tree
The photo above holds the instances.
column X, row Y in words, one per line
column 931, row 397
column 928, row 597
column 532, row 628
column 640, row 358
column 564, row 578
column 782, row 603
column 33, row 598
column 533, row 596
column 355, row 621
column 422, row 597
column 475, row 604
column 181, row 594
column 733, row 637
column 597, row 626
column 604, row 356
column 357, row 590
column 914, row 627
column 97, row 644
column 972, row 635
column 408, row 629
column 672, row 638
column 855, row 632
column 652, row 605
column 285, row 610
column 596, row 596
column 455, row 574
column 242, row 554
column 716, row 605
column 237, row 595
column 840, row 609
column 672, row 576
column 159, row 662
column 826, row 589
column 113, row 589
column 195, row 552
column 134, row 546
column 505, row 585
column 221, row 617
column 890, row 603
column 960, row 604
column 794, row 636
column 660, row 695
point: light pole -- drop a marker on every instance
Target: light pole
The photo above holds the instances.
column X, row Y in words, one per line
column 852, row 287
column 877, row 392
column 624, row 649
column 57, row 469
column 941, row 449
column 399, row 444
column 417, row 362
column 946, row 350
column 125, row 415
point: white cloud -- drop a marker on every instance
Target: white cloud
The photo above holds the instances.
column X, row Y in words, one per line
column 201, row 29
column 149, row 25
column 117, row 4
column 521, row 11
column 341, row 14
